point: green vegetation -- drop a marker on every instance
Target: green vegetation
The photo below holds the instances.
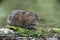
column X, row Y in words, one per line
column 43, row 33
column 25, row 32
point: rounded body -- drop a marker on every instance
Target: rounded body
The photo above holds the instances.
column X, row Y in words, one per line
column 22, row 19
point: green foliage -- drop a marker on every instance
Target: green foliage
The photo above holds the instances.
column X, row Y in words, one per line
column 26, row 32
column 15, row 28
column 50, row 32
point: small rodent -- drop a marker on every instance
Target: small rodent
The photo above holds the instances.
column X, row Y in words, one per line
column 20, row 18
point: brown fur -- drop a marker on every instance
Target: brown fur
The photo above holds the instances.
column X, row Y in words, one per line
column 22, row 19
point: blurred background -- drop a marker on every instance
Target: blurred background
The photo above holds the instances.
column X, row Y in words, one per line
column 48, row 10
